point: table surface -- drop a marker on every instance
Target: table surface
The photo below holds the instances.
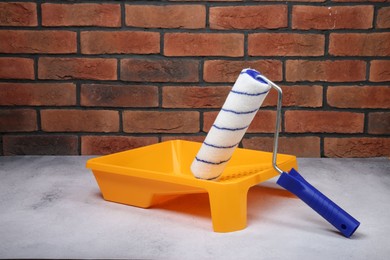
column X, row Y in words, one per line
column 51, row 207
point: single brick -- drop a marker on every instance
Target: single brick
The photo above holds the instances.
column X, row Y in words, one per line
column 228, row 71
column 248, row 17
column 263, row 122
column 41, row 145
column 359, row 96
column 23, row 41
column 37, row 94
column 77, row 68
column 159, row 70
column 160, row 122
column 194, row 97
column 299, row 96
column 383, row 18
column 101, row 145
column 331, row 71
column 18, row 120
column 166, row 16
column 380, row 70
column 298, row 121
column 99, row 42
column 379, row 123
column 61, row 120
column 359, row 44
column 81, row 14
column 286, row 44
column 306, row 17
column 16, row 68
column 118, row 95
column 18, row 14
column 308, row 146
column 356, row 147
column 204, row 44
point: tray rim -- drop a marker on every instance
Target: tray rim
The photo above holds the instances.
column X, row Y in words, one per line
column 185, row 179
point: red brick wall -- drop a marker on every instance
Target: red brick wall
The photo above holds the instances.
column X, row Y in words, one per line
column 96, row 78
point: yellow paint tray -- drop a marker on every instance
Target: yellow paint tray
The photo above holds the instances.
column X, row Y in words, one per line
column 148, row 175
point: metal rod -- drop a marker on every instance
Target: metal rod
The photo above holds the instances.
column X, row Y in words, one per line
column 278, row 120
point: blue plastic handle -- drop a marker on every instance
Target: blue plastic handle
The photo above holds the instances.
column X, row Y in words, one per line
column 330, row 211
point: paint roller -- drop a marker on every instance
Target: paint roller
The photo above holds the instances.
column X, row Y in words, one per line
column 239, row 109
column 230, row 125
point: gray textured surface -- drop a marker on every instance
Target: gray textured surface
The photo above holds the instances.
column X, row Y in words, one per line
column 50, row 207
